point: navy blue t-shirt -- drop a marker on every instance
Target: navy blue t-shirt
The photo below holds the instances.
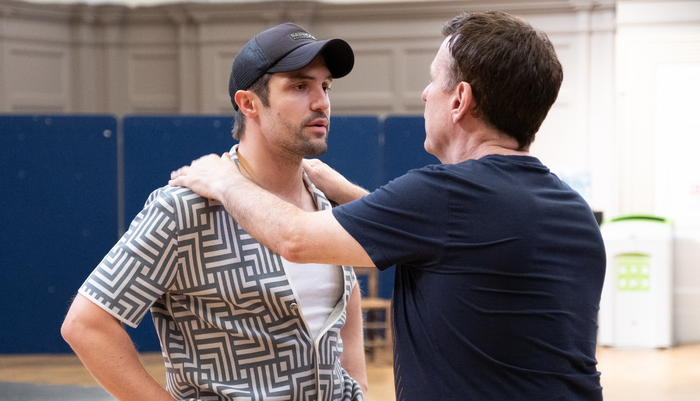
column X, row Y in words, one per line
column 499, row 272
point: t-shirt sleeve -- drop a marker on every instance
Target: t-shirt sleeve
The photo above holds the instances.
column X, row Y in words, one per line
column 403, row 222
column 140, row 267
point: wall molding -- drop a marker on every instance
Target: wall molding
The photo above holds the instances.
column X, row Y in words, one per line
column 272, row 12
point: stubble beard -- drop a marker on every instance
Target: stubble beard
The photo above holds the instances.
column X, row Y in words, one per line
column 299, row 145
column 306, row 146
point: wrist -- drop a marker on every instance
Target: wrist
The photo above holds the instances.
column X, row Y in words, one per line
column 351, row 193
column 222, row 190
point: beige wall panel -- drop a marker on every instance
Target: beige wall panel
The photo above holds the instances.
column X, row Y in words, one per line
column 418, row 61
column 382, row 30
column 189, row 69
column 232, row 32
column 370, row 84
column 38, row 78
column 37, row 31
column 88, row 79
column 4, row 76
column 392, row 61
column 116, row 72
column 154, row 81
column 148, row 34
column 216, row 69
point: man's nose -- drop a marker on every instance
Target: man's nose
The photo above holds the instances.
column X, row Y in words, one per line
column 320, row 100
column 424, row 95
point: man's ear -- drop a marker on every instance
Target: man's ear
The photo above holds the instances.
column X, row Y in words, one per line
column 462, row 102
column 248, row 102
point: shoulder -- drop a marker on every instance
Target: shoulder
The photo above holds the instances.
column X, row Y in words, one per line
column 419, row 191
column 425, row 182
column 179, row 198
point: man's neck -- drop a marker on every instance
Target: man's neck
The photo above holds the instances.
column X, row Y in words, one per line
column 480, row 143
column 279, row 175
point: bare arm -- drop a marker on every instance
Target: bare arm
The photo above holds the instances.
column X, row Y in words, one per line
column 353, row 357
column 297, row 235
column 331, row 183
column 107, row 352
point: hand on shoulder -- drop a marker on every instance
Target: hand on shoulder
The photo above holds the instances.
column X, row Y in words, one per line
column 208, row 176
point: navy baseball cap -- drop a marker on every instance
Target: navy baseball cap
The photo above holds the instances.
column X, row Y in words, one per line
column 284, row 48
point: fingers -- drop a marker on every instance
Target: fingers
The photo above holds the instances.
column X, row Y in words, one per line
column 177, row 176
column 183, row 170
column 174, row 182
column 199, row 168
column 309, row 164
column 179, row 172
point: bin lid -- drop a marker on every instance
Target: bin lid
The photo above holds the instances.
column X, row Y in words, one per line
column 641, row 217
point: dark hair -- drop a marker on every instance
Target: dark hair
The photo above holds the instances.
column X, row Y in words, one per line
column 261, row 88
column 511, row 67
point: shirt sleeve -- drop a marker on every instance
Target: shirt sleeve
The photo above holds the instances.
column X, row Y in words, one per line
column 403, row 222
column 140, row 267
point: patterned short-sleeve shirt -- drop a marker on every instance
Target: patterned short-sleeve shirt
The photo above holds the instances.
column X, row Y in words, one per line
column 229, row 323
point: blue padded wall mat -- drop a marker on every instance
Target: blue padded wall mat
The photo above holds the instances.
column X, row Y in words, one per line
column 59, row 219
column 403, row 150
column 403, row 145
column 156, row 145
column 59, row 214
column 354, row 151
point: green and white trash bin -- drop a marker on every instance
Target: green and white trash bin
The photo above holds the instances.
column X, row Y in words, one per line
column 636, row 307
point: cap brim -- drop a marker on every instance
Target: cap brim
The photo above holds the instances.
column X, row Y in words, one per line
column 336, row 52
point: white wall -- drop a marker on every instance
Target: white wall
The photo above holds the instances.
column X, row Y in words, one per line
column 658, row 134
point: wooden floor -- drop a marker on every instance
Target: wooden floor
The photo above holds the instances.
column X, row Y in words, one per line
column 627, row 375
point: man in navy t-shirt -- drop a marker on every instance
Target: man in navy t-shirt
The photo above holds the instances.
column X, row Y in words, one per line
column 499, row 264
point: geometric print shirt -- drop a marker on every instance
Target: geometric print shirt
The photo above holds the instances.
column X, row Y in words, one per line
column 228, row 319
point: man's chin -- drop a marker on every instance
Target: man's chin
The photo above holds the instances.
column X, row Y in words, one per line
column 314, row 151
column 317, row 146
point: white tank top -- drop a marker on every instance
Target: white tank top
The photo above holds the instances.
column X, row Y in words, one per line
column 318, row 287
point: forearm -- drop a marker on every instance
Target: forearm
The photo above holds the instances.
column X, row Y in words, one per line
column 266, row 217
column 116, row 366
column 297, row 235
column 107, row 352
column 349, row 193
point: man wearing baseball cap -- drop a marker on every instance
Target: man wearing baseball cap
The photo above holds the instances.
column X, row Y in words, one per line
column 235, row 319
